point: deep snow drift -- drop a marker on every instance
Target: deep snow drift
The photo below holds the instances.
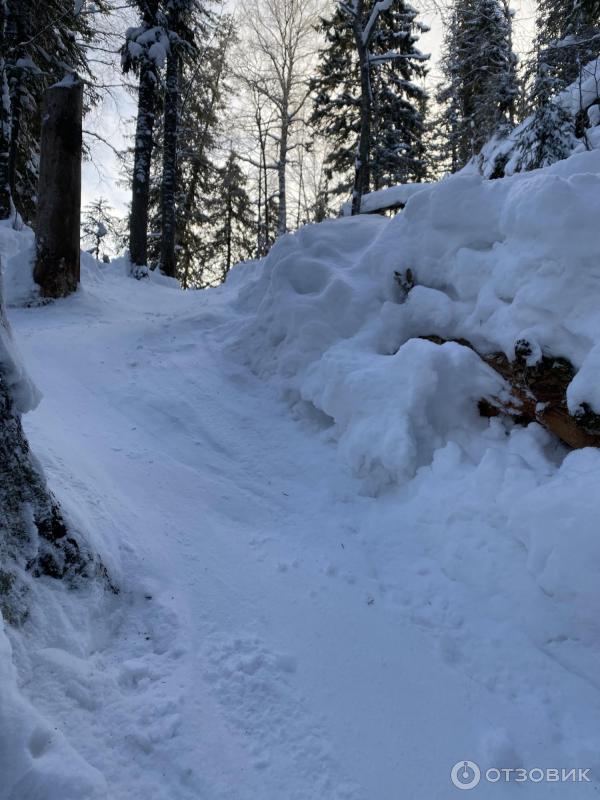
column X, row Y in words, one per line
column 337, row 580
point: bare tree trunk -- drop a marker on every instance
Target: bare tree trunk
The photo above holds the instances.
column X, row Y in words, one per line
column 229, row 226
column 169, row 175
column 15, row 34
column 59, row 191
column 267, row 215
column 142, row 158
column 5, row 195
column 281, row 171
column 362, row 176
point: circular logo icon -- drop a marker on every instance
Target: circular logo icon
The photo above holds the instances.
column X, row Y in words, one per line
column 465, row 775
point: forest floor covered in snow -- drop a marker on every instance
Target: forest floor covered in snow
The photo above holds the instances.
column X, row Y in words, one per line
column 336, row 579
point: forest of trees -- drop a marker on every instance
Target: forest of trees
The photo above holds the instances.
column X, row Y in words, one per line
column 253, row 119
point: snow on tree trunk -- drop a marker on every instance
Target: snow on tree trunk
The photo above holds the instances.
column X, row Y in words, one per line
column 15, row 35
column 59, row 192
column 169, row 177
column 142, row 158
column 5, row 202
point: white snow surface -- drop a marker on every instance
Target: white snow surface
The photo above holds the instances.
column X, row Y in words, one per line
column 336, row 579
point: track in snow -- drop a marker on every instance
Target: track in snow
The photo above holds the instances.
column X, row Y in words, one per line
column 281, row 635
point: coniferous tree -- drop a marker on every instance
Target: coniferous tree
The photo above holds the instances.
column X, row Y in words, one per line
column 99, row 225
column 232, row 220
column 204, row 94
column 144, row 53
column 186, row 24
column 479, row 87
column 567, row 37
column 389, row 95
column 42, row 40
column 5, row 193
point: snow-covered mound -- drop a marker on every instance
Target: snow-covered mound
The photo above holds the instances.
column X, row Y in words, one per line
column 345, row 602
column 493, row 262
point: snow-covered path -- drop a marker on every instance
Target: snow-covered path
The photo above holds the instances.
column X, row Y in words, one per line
column 280, row 633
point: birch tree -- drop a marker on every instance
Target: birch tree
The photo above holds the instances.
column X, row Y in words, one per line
column 280, row 46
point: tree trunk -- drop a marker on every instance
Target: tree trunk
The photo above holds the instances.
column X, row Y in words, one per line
column 229, row 223
column 59, row 191
column 168, row 261
column 281, row 171
column 362, row 175
column 15, row 34
column 142, row 158
column 5, row 196
column 16, row 108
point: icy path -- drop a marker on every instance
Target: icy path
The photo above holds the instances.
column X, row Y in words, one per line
column 280, row 635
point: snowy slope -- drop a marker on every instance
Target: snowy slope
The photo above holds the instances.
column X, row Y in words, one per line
column 336, row 580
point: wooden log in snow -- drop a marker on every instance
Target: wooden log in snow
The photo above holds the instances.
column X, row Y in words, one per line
column 59, row 191
column 538, row 393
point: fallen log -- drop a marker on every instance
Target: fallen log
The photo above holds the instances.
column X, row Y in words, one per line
column 537, row 393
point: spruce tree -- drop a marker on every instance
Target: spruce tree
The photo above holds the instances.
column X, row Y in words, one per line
column 397, row 107
column 567, row 37
column 204, row 93
column 186, row 25
column 144, row 53
column 479, row 86
column 232, row 221
column 42, row 40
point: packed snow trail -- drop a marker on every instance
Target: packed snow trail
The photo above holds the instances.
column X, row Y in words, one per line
column 281, row 634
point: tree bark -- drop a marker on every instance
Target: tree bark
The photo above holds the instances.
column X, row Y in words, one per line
column 168, row 260
column 15, row 34
column 282, row 168
column 362, row 174
column 142, row 159
column 59, row 191
column 5, row 195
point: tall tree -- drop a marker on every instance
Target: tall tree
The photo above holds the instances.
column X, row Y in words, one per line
column 479, row 86
column 5, row 193
column 232, row 219
column 204, row 95
column 385, row 88
column 42, row 40
column 185, row 22
column 567, row 37
column 144, row 53
column 279, row 47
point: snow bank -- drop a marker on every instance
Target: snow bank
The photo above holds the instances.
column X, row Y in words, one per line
column 12, row 246
column 493, row 262
column 36, row 761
